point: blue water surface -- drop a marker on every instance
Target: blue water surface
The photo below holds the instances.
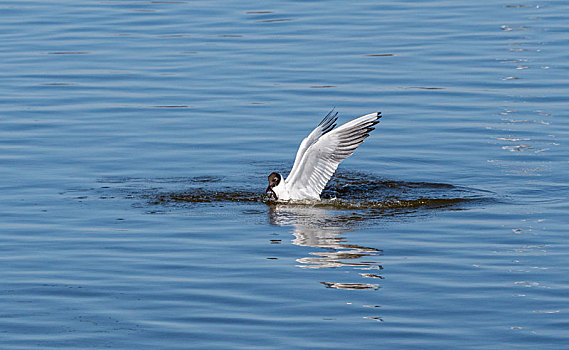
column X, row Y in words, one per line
column 112, row 111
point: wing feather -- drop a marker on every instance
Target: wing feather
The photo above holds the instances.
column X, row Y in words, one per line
column 324, row 151
column 326, row 125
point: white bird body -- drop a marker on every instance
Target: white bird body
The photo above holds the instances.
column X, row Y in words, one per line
column 319, row 155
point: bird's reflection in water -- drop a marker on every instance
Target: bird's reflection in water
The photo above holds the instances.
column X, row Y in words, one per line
column 326, row 230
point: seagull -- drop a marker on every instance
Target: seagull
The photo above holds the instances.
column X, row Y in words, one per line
column 318, row 157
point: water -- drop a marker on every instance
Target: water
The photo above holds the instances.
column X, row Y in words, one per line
column 136, row 138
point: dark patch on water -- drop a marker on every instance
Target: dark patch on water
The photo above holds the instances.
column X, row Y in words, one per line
column 70, row 53
column 346, row 191
column 258, row 12
column 277, row 20
column 351, row 286
column 201, row 195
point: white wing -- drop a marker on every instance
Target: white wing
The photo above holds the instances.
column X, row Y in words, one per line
column 326, row 125
column 321, row 153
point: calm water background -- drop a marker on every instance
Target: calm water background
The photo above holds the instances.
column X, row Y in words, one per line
column 105, row 105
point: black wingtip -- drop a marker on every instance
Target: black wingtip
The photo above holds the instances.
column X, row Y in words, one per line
column 330, row 115
column 329, row 122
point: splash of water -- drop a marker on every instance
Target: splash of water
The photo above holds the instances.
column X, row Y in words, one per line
column 347, row 191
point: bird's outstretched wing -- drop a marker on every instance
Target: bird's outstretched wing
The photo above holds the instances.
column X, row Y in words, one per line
column 321, row 152
column 325, row 126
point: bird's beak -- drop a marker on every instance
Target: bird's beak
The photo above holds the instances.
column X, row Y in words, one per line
column 272, row 194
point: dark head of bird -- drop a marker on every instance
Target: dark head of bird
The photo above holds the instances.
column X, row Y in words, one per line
column 274, row 181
